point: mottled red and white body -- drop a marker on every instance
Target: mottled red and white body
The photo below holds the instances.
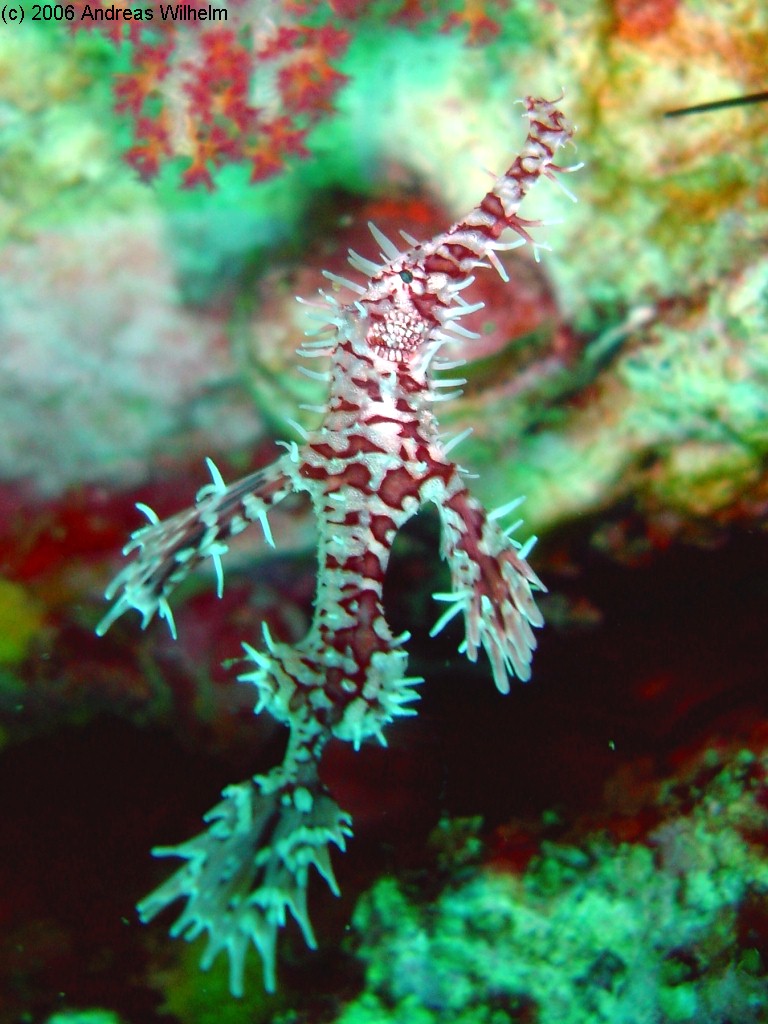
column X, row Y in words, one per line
column 374, row 461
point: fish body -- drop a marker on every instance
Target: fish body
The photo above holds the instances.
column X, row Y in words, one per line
column 375, row 459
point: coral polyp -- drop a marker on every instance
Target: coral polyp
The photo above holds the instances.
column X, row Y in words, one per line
column 374, row 461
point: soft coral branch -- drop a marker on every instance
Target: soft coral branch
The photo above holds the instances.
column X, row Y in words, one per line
column 247, row 91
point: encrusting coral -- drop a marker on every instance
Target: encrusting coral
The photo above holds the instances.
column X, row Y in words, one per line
column 668, row 927
column 374, row 461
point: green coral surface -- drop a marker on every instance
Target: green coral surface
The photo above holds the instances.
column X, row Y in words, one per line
column 622, row 933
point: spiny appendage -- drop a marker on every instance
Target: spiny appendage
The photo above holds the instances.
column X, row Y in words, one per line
column 167, row 551
column 356, row 698
column 252, row 865
column 283, row 679
column 384, row 695
column 475, row 238
column 492, row 584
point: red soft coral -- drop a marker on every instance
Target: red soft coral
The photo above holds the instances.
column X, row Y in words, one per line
column 191, row 91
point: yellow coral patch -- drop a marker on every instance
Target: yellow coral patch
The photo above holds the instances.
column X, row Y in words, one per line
column 21, row 617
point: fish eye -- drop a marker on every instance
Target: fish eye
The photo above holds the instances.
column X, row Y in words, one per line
column 406, row 276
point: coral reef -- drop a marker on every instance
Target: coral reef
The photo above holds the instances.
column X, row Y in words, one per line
column 245, row 82
column 620, row 384
column 668, row 928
